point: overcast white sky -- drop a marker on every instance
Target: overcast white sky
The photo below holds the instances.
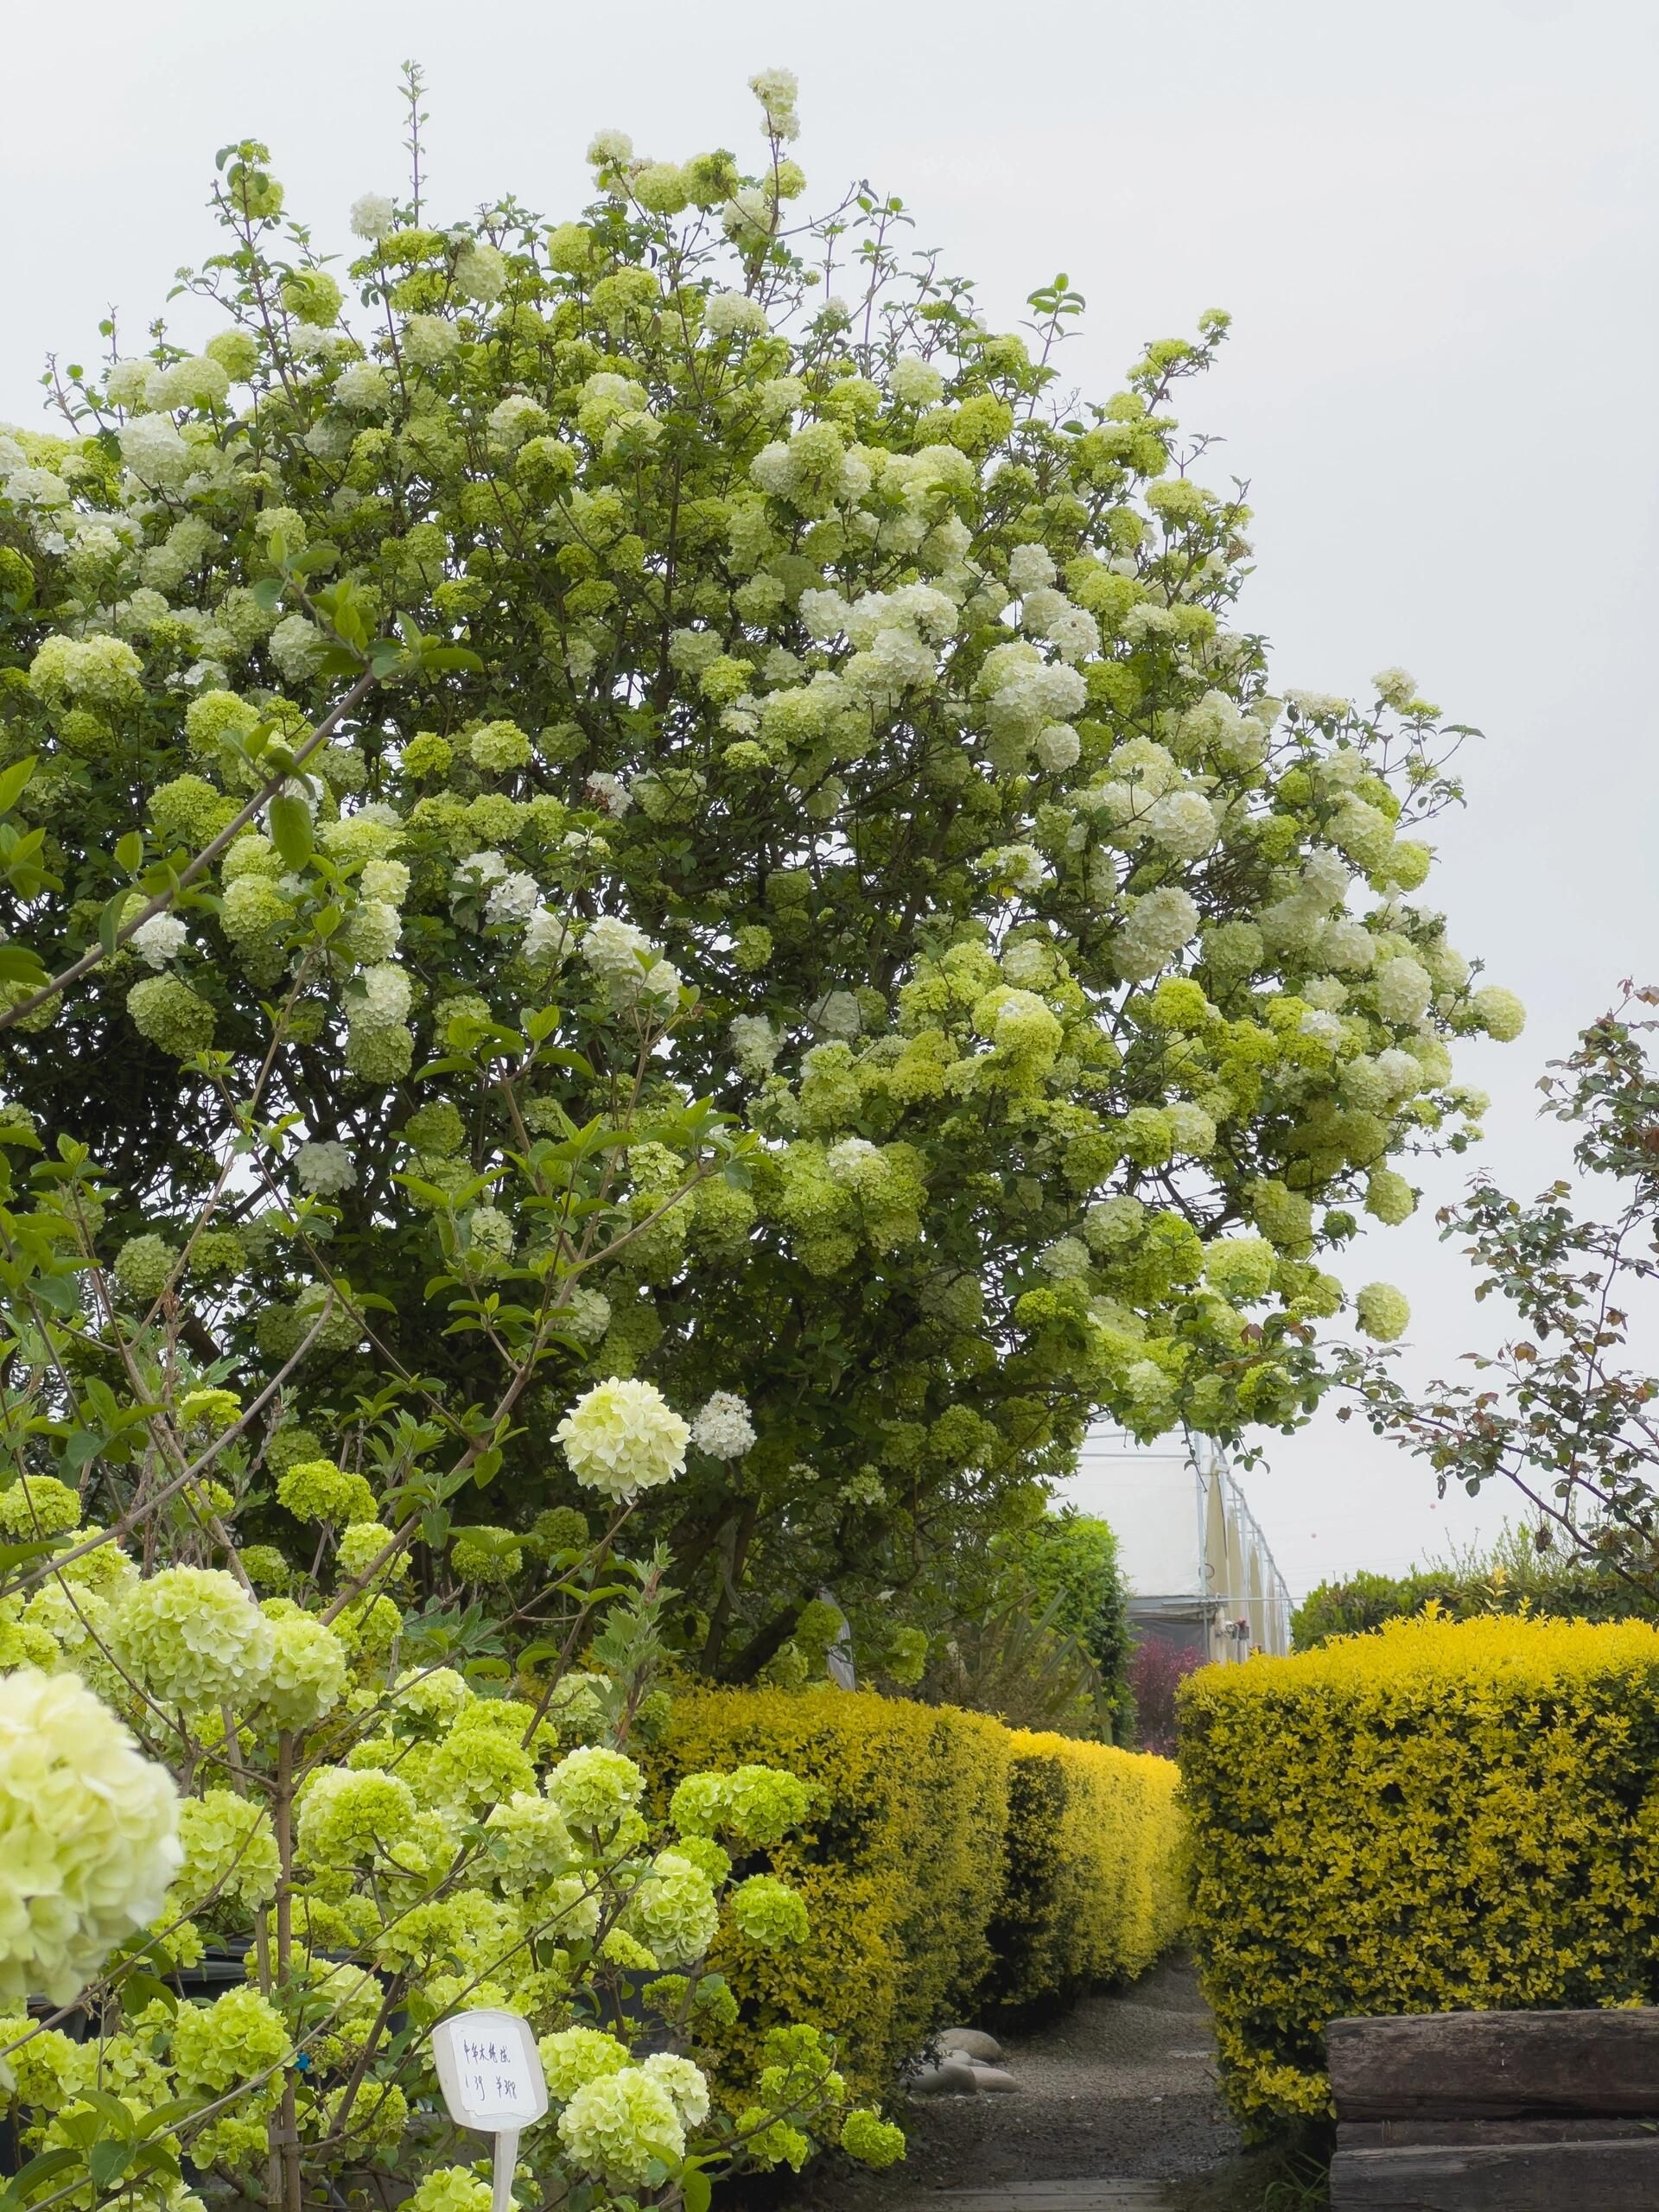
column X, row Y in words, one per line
column 1434, row 220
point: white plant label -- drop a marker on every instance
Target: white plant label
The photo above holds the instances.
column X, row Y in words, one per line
column 489, row 2071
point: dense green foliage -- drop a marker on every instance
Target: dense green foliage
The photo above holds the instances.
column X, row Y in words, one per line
column 727, row 826
column 1034, row 1629
column 1516, row 1576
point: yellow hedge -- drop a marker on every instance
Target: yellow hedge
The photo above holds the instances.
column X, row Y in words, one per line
column 906, row 1870
column 1443, row 1815
column 901, row 1872
column 1092, row 1886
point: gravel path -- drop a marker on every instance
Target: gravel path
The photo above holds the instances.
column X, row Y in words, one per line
column 1115, row 2101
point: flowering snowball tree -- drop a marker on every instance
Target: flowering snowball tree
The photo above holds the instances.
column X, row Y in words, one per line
column 368, row 1808
column 651, row 771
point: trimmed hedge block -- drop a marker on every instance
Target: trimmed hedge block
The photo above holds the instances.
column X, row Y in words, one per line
column 1443, row 1816
column 954, row 1863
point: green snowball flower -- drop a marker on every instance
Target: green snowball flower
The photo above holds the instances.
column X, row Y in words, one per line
column 350, row 1817
column 317, row 1490
column 871, row 2139
column 621, row 2125
column 674, row 1912
column 769, row 1913
column 1499, row 1012
column 237, row 2041
column 361, row 1543
column 193, row 1638
column 1240, row 1267
column 1382, row 1311
column 145, row 1266
column 1389, row 1197
column 594, row 1788
column 165, row 1009
column 572, row 2057
column 229, row 1851
column 487, row 1555
column 38, row 1505
column 307, row 1673
column 450, row 2189
column 89, row 1836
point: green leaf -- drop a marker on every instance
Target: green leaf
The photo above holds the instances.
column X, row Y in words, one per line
column 268, row 593
column 12, row 781
column 109, row 922
column 290, row 829
column 31, row 2179
column 139, row 1989
column 696, row 2187
column 19, row 965
column 107, row 2161
column 130, row 852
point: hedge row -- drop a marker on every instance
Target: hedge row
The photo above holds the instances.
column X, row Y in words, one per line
column 956, row 1868
column 1441, row 1816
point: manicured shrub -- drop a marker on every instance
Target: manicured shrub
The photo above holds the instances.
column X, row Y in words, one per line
column 1093, row 1888
column 954, row 1864
column 901, row 1869
column 1443, row 1815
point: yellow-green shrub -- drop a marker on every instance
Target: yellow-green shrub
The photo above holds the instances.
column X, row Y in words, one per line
column 1093, row 1889
column 1439, row 1816
column 901, row 1871
column 953, row 1863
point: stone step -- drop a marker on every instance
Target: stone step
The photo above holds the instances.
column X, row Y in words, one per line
column 1080, row 2196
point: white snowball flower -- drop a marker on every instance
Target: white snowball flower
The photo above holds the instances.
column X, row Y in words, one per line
column 838, row 1013
column 372, row 216
column 512, row 900
column 612, row 947
column 849, row 1162
column 1158, row 925
column 1404, row 990
column 546, row 937
column 159, row 940
column 915, row 382
column 1065, row 1259
column 476, row 877
column 623, row 1436
column 325, row 1168
column 154, row 451
column 824, row 614
column 734, row 315
column 1020, row 866
column 89, row 1836
column 610, row 792
column 1395, row 687
column 364, row 389
column 297, row 645
column 609, row 150
column 1184, row 824
column 723, row 1428
column 755, row 1043
column 1030, row 567
column 1057, row 746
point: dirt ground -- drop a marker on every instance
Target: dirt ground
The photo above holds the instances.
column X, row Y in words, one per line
column 1118, row 2091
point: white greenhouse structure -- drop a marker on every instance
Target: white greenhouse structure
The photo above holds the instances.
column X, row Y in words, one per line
column 1199, row 1571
